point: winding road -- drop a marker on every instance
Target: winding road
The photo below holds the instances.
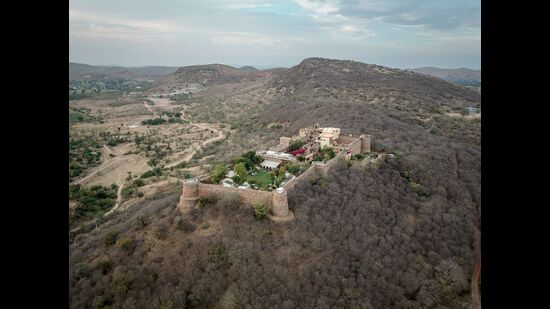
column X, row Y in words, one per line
column 220, row 136
column 194, row 148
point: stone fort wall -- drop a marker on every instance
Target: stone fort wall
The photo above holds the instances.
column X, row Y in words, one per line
column 314, row 170
column 275, row 201
column 249, row 196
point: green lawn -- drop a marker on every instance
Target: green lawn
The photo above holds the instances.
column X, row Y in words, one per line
column 74, row 116
column 261, row 179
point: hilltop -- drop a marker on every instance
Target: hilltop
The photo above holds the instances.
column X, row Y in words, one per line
column 203, row 76
column 78, row 71
column 345, row 78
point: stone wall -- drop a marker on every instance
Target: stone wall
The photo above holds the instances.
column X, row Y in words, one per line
column 355, row 147
column 310, row 172
column 346, row 139
column 249, row 196
column 314, row 170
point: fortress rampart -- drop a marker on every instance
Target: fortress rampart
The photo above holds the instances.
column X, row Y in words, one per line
column 276, row 200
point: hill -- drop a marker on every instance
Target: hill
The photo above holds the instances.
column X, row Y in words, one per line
column 78, row 71
column 248, row 68
column 402, row 233
column 460, row 76
column 345, row 78
column 203, row 76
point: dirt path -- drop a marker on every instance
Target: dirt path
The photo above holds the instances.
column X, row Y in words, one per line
column 149, row 107
column 118, row 199
column 220, row 136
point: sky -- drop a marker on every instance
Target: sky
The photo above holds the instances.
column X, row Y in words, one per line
column 394, row 33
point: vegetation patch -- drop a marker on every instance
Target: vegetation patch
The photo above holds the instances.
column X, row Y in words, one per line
column 218, row 255
column 260, row 211
column 91, row 202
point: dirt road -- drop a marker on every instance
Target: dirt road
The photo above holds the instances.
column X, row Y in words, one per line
column 188, row 157
column 118, row 199
column 149, row 107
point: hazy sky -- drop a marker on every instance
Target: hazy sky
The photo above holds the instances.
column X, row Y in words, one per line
column 395, row 33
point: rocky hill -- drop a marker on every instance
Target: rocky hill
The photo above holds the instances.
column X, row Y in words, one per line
column 356, row 80
column 203, row 76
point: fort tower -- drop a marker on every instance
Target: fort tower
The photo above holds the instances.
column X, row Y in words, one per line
column 189, row 195
column 365, row 143
column 280, row 203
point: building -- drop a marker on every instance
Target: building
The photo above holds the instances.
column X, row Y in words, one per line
column 268, row 164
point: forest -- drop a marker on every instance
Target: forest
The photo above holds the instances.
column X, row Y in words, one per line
column 372, row 243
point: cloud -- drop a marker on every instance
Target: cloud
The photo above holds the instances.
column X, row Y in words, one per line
column 247, row 5
column 241, row 31
column 431, row 14
column 229, row 38
column 98, row 25
column 319, row 7
column 349, row 28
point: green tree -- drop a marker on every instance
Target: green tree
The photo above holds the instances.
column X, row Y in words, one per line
column 218, row 173
column 260, row 211
column 238, row 179
column 240, row 169
column 295, row 145
column 249, row 159
column 294, row 169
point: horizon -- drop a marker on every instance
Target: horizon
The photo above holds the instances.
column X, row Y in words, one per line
column 403, row 34
column 259, row 67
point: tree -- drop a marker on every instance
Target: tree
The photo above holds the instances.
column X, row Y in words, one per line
column 294, row 169
column 218, row 173
column 295, row 145
column 260, row 211
column 249, row 159
column 240, row 169
column 238, row 179
column 110, row 238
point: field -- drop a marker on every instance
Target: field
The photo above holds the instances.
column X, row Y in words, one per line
column 116, row 137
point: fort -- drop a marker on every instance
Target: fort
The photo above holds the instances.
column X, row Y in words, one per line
column 312, row 143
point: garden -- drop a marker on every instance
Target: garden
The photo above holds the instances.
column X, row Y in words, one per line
column 246, row 171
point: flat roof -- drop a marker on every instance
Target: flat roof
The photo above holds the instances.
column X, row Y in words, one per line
column 269, row 164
